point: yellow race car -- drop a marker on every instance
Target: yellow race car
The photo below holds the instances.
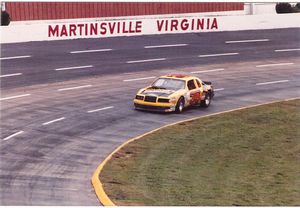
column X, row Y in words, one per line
column 174, row 93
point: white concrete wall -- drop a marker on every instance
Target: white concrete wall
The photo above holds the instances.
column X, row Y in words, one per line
column 147, row 26
column 259, row 8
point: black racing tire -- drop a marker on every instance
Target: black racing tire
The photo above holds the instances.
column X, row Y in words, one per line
column 179, row 105
column 206, row 102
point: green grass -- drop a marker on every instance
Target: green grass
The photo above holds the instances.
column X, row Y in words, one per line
column 246, row 157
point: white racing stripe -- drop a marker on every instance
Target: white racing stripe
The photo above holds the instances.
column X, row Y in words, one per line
column 74, row 88
column 74, row 67
column 219, row 89
column 247, row 41
column 53, row 121
column 10, row 75
column 270, row 65
column 273, row 82
column 220, row 54
column 100, row 109
column 286, row 50
column 14, row 57
column 92, row 51
column 11, row 136
column 146, row 60
column 205, row 71
column 166, row 46
column 13, row 97
column 137, row 79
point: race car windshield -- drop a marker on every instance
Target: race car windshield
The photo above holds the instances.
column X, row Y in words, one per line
column 170, row 84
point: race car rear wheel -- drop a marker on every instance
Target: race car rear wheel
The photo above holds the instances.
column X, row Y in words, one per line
column 180, row 105
column 206, row 102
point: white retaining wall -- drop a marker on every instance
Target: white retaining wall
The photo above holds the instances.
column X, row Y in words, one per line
column 101, row 28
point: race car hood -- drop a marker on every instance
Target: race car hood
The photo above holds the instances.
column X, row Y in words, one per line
column 157, row 92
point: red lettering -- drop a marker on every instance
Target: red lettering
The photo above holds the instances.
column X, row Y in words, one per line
column 111, row 27
column 193, row 24
column 184, row 24
column 80, row 28
column 138, row 26
column 167, row 22
column 207, row 24
column 214, row 24
column 103, row 28
column 124, row 27
column 52, row 32
column 174, row 24
column 200, row 24
column 130, row 28
column 160, row 24
column 119, row 27
column 86, row 29
column 94, row 29
column 63, row 31
column 72, row 28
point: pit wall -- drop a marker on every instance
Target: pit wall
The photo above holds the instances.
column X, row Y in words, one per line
column 149, row 25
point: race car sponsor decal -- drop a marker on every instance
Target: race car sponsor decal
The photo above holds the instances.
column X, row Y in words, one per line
column 195, row 97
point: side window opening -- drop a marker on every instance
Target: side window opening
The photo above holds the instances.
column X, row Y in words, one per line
column 191, row 85
column 198, row 83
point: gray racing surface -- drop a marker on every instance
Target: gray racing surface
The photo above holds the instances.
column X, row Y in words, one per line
column 64, row 108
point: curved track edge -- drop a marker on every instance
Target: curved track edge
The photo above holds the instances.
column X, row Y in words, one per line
column 96, row 182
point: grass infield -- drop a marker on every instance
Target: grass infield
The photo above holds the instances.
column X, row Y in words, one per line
column 246, row 157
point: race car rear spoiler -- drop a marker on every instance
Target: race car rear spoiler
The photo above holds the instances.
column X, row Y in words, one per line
column 207, row 82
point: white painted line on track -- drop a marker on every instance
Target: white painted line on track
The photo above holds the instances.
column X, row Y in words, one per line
column 53, row 121
column 146, row 60
column 74, row 67
column 100, row 109
column 137, row 79
column 10, row 75
column 129, row 73
column 13, row 97
column 273, row 82
column 14, row 57
column 247, row 41
column 286, row 50
column 270, row 65
column 73, row 88
column 219, row 89
column 205, row 71
column 92, row 51
column 11, row 136
column 166, row 46
column 220, row 54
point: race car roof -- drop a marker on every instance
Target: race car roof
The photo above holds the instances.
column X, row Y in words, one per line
column 178, row 76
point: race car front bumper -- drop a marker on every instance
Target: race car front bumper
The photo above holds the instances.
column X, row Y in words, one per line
column 149, row 106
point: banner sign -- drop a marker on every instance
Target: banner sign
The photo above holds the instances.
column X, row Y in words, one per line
column 131, row 27
column 102, row 28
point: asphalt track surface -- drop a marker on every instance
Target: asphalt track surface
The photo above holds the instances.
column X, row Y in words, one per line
column 62, row 113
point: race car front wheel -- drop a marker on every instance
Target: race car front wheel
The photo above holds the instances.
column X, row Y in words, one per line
column 180, row 105
column 206, row 102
